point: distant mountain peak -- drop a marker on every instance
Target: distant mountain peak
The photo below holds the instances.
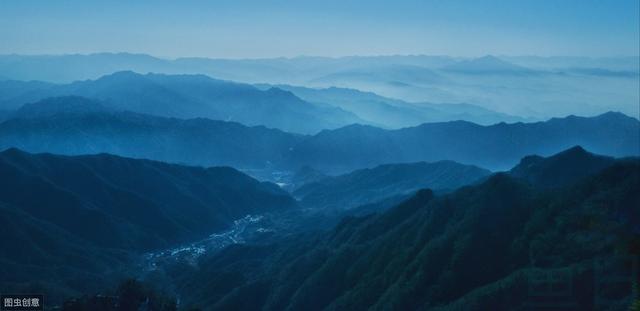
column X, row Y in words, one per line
column 614, row 115
column 572, row 154
column 489, row 58
column 486, row 64
column 124, row 73
column 574, row 151
column 611, row 116
column 355, row 128
column 12, row 151
column 125, row 76
column 560, row 169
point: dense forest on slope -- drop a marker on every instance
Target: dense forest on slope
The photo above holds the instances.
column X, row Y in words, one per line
column 479, row 248
column 67, row 220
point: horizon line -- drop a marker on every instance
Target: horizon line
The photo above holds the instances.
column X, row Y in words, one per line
column 308, row 56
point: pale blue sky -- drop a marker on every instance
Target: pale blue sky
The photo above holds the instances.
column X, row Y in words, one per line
column 262, row 28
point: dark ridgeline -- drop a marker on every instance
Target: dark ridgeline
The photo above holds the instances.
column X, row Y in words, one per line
column 74, row 129
column 67, row 220
column 478, row 248
column 560, row 169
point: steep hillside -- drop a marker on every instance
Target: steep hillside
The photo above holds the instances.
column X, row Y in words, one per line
column 371, row 185
column 480, row 248
column 69, row 220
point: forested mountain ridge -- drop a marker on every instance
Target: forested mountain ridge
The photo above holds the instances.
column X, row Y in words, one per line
column 431, row 252
column 70, row 219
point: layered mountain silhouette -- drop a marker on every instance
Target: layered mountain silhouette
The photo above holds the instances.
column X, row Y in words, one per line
column 189, row 96
column 482, row 247
column 76, row 125
column 394, row 113
column 70, row 219
column 367, row 186
column 120, row 166
column 529, row 87
column 65, row 126
column 68, row 68
column 494, row 147
column 395, row 73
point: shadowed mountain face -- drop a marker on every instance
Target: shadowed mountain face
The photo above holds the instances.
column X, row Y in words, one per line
column 391, row 180
column 135, row 204
column 495, row 147
column 72, row 219
column 66, row 126
column 560, row 169
column 189, row 96
column 475, row 249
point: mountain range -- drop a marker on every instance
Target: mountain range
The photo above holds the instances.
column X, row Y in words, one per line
column 71, row 222
column 50, row 126
column 188, row 96
column 289, row 108
column 527, row 87
column 490, row 246
column 393, row 113
column 69, row 68
column 76, row 125
column 384, row 199
column 428, row 243
column 97, row 217
column 496, row 147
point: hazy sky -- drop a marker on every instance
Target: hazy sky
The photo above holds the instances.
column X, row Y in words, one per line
column 263, row 28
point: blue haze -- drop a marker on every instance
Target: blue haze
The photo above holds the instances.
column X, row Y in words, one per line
column 256, row 29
